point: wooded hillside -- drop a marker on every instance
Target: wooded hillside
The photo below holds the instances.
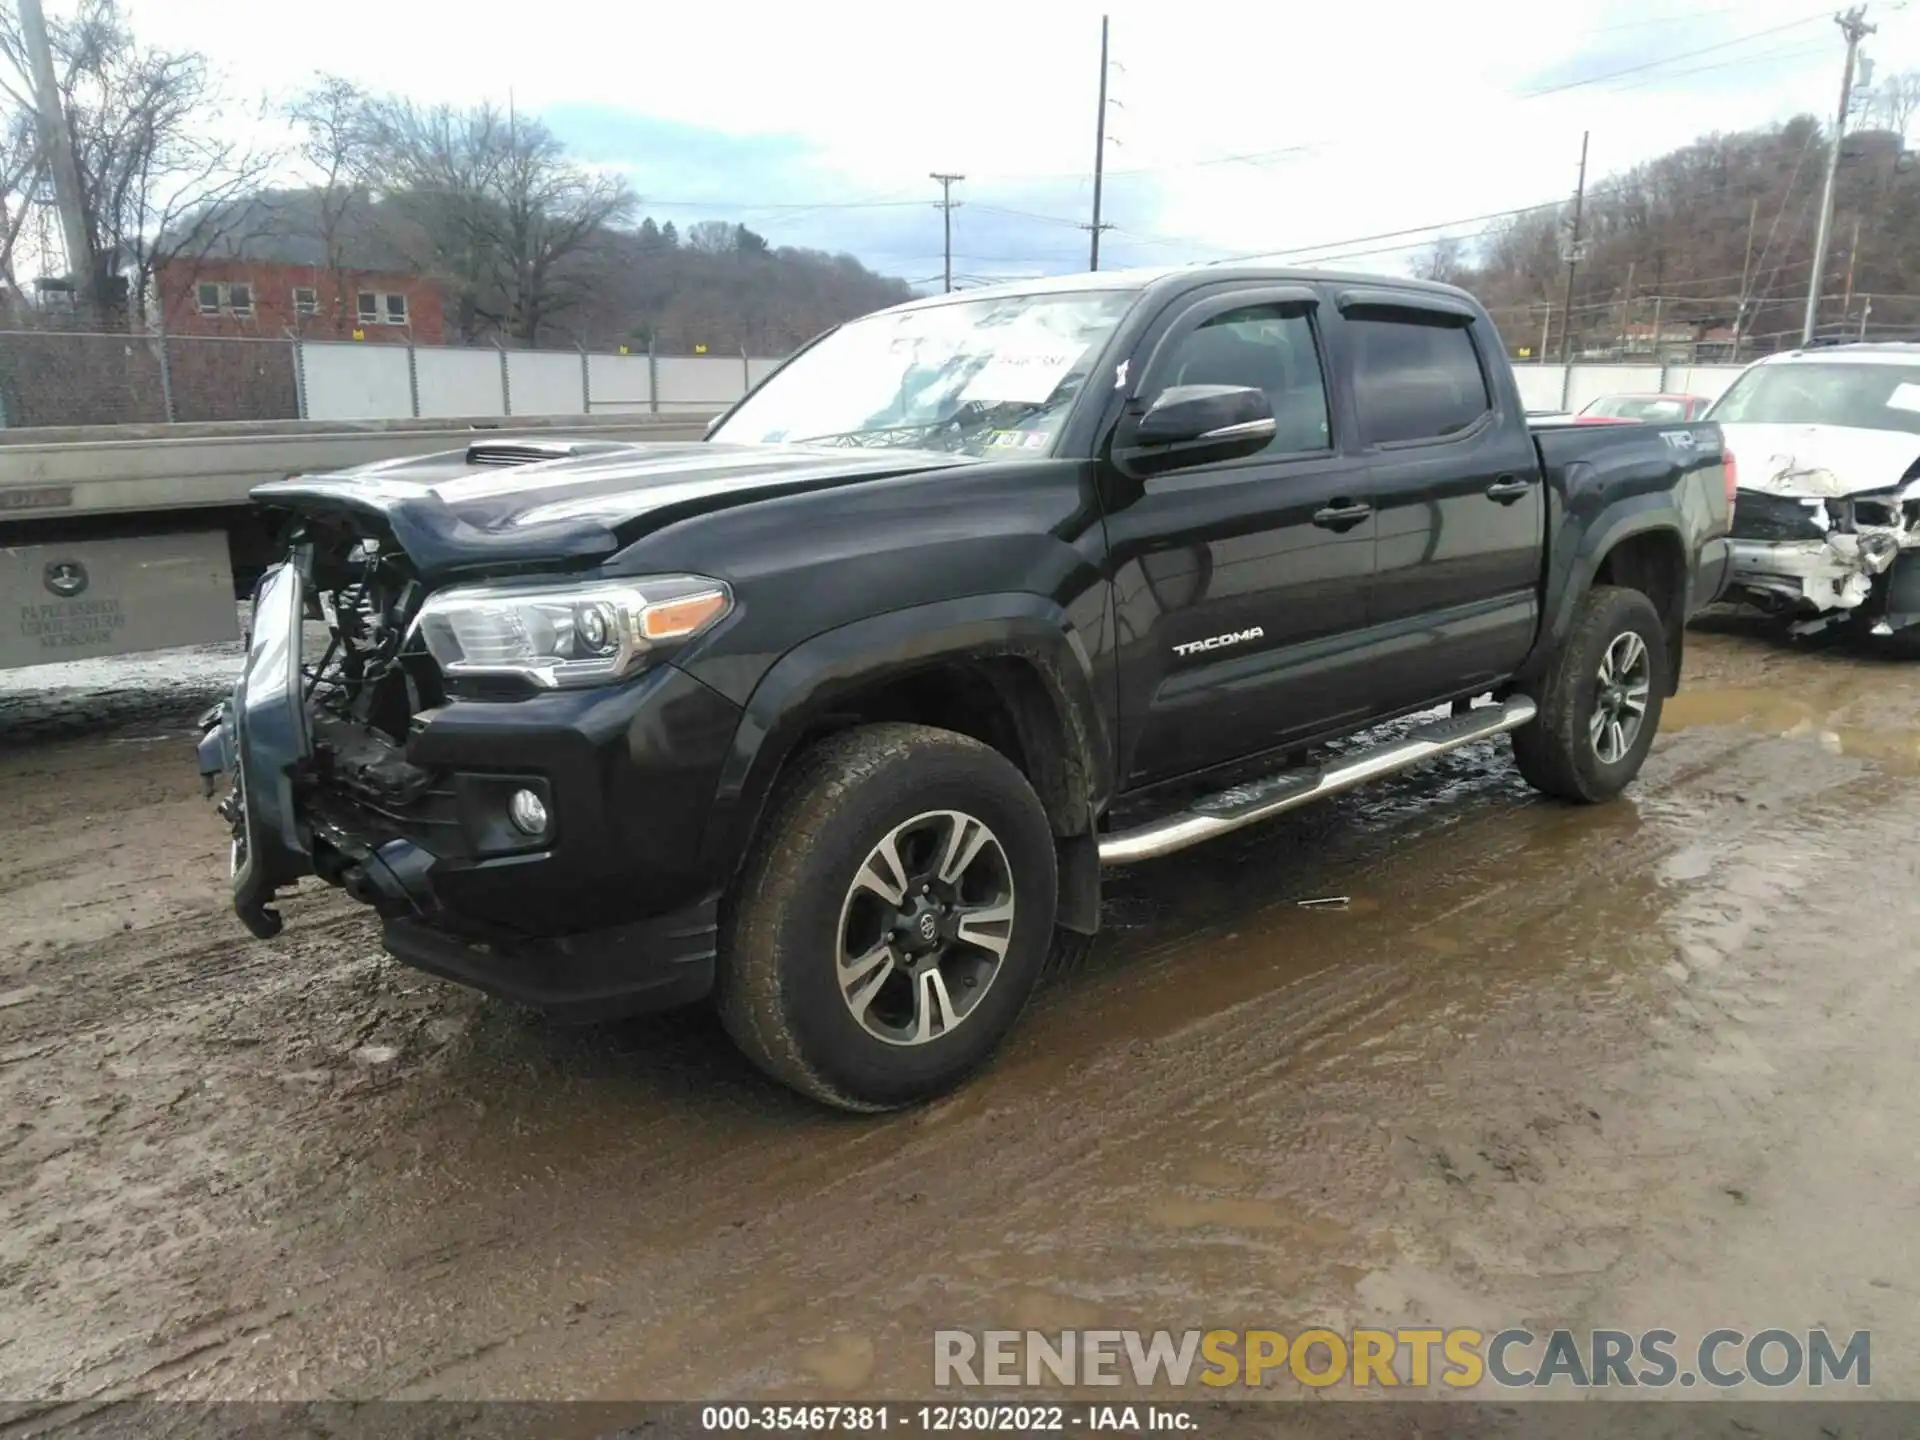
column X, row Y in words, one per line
column 1713, row 237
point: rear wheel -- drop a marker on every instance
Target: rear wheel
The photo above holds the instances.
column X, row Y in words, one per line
column 1600, row 701
column 892, row 918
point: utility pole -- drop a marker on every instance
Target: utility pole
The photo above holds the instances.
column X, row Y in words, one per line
column 1546, row 328
column 1573, row 254
column 1626, row 313
column 1099, row 151
column 945, row 204
column 1746, row 278
column 1853, row 249
column 1855, row 28
column 58, row 146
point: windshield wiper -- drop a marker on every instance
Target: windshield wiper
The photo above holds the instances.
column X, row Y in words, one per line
column 879, row 437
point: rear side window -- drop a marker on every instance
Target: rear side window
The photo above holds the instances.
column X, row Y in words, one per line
column 1415, row 379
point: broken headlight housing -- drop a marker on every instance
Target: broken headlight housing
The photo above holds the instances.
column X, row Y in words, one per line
column 566, row 635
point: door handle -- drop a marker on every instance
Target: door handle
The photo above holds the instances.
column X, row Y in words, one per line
column 1341, row 515
column 1508, row 488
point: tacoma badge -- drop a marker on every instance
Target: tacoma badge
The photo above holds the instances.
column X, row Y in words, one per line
column 1220, row 642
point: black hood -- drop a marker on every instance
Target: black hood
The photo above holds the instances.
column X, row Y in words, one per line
column 504, row 505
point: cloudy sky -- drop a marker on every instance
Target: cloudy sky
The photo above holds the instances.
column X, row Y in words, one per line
column 1341, row 131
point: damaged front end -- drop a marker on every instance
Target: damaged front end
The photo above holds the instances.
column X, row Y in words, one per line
column 313, row 753
column 1802, row 547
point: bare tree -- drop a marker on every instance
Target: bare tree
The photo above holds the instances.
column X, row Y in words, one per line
column 1895, row 101
column 1445, row 261
column 507, row 217
column 22, row 169
column 157, row 181
column 336, row 149
column 712, row 237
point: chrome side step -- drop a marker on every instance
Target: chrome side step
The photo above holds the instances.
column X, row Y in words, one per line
column 1261, row 799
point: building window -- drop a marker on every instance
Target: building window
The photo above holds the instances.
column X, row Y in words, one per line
column 381, row 308
column 306, row 300
column 218, row 297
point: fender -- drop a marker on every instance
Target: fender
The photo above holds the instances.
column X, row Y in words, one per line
column 1578, row 543
column 805, row 683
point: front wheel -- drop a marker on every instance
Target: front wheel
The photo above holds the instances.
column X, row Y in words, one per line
column 892, row 918
column 1600, row 700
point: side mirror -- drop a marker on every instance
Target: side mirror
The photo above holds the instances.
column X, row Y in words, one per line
column 1198, row 425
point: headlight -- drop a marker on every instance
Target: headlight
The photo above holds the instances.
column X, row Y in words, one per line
column 567, row 635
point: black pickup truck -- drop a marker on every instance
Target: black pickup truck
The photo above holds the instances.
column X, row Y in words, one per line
column 836, row 716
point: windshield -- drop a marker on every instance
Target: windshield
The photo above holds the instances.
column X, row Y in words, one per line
column 1653, row 409
column 1859, row 396
column 979, row 377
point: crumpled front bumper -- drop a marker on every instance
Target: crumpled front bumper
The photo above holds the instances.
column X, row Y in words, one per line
column 255, row 739
column 598, row 923
column 1836, row 572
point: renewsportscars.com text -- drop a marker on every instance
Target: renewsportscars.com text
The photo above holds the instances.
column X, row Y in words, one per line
column 1373, row 1359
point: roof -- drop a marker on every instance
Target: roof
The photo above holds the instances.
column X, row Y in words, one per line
column 1872, row 352
column 1141, row 279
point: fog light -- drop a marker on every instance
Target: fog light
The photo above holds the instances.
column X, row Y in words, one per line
column 528, row 813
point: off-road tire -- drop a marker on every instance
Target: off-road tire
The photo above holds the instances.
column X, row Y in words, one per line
column 776, row 989
column 1554, row 751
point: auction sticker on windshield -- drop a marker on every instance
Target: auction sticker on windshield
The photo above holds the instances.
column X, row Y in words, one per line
column 1023, row 371
column 1904, row 397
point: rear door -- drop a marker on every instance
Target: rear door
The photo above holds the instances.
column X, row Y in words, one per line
column 1457, row 491
column 1240, row 587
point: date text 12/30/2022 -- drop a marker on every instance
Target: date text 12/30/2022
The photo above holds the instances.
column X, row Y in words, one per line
column 941, row 1419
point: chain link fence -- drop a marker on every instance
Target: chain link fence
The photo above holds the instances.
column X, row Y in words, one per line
column 66, row 378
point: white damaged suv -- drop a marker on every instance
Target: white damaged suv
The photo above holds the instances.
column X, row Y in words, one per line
column 1826, row 524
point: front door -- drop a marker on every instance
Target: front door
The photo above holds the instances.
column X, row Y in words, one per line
column 1240, row 586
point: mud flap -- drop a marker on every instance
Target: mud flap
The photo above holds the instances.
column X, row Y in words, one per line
column 1078, row 906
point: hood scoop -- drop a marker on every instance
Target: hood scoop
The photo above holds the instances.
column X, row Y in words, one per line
column 532, row 452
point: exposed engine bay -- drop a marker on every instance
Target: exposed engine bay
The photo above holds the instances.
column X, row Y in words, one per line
column 1804, row 547
column 366, row 689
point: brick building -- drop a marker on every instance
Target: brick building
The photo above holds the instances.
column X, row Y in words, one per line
column 239, row 296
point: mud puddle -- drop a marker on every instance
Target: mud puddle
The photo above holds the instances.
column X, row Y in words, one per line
column 1642, row 1063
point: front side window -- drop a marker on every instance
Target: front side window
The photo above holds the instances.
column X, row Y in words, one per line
column 1416, row 379
column 1858, row 396
column 1263, row 347
column 986, row 377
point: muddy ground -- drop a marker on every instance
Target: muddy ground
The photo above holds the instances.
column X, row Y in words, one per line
column 1650, row 1064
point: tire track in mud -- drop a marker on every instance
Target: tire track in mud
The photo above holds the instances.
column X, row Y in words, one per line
column 1246, row 1037
column 1199, row 1123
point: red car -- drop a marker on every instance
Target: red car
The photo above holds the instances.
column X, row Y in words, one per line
column 1643, row 409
